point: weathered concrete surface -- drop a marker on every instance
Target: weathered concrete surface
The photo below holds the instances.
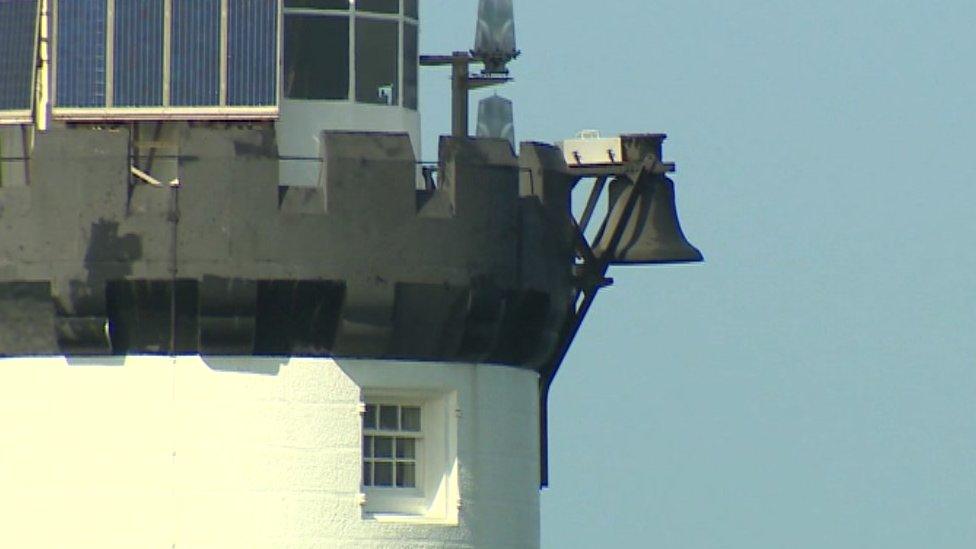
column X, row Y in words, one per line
column 363, row 265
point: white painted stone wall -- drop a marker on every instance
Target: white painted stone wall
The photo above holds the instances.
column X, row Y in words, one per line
column 158, row 452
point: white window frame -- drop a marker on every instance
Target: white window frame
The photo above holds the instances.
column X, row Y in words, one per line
column 165, row 112
column 352, row 14
column 435, row 498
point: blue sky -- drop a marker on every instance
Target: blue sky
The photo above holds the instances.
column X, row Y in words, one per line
column 812, row 384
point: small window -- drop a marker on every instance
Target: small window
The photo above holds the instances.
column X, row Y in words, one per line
column 391, row 445
column 409, row 457
column 316, row 57
column 377, row 59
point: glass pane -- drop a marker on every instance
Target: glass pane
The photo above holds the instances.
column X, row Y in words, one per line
column 320, row 4
column 367, row 473
column 383, row 447
column 138, row 75
column 410, row 8
column 383, row 474
column 195, row 51
column 410, row 419
column 252, row 52
column 81, row 53
column 369, row 417
column 406, row 475
column 377, row 59
column 388, row 418
column 367, row 446
column 316, row 57
column 406, row 448
column 18, row 37
column 378, row 6
column 410, row 64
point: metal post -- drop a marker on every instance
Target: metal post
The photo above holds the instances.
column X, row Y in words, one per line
column 460, row 63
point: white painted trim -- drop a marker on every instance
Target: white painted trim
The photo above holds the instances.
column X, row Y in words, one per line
column 53, row 51
column 436, row 498
column 42, row 54
column 12, row 118
column 169, row 113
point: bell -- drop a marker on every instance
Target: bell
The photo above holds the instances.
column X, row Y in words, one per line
column 652, row 233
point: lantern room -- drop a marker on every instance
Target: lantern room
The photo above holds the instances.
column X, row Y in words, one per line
column 309, row 65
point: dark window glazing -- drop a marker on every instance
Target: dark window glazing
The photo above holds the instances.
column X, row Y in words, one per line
column 378, row 6
column 195, row 53
column 81, row 53
column 410, row 9
column 252, row 53
column 18, row 36
column 316, row 57
column 377, row 60
column 138, row 70
column 138, row 76
column 410, row 37
column 318, row 4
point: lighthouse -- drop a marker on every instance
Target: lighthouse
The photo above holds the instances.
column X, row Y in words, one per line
column 239, row 309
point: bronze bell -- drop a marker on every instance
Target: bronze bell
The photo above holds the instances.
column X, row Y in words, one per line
column 652, row 233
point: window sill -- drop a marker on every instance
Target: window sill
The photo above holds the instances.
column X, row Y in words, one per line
column 392, row 518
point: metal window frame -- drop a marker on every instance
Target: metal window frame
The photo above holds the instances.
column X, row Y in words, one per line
column 222, row 111
column 353, row 14
column 26, row 116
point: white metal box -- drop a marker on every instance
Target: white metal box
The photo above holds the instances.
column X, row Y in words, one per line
column 588, row 148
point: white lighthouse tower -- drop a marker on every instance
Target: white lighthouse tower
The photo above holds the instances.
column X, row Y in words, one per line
column 230, row 316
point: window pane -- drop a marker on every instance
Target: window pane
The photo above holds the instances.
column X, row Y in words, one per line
column 369, row 417
column 81, row 53
column 377, row 57
column 195, row 51
column 410, row 63
column 383, row 447
column 410, row 419
column 378, row 6
column 383, row 474
column 138, row 74
column 406, row 448
column 367, row 473
column 406, row 475
column 18, row 37
column 410, row 8
column 388, row 418
column 316, row 57
column 252, row 53
column 320, row 4
column 367, row 446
